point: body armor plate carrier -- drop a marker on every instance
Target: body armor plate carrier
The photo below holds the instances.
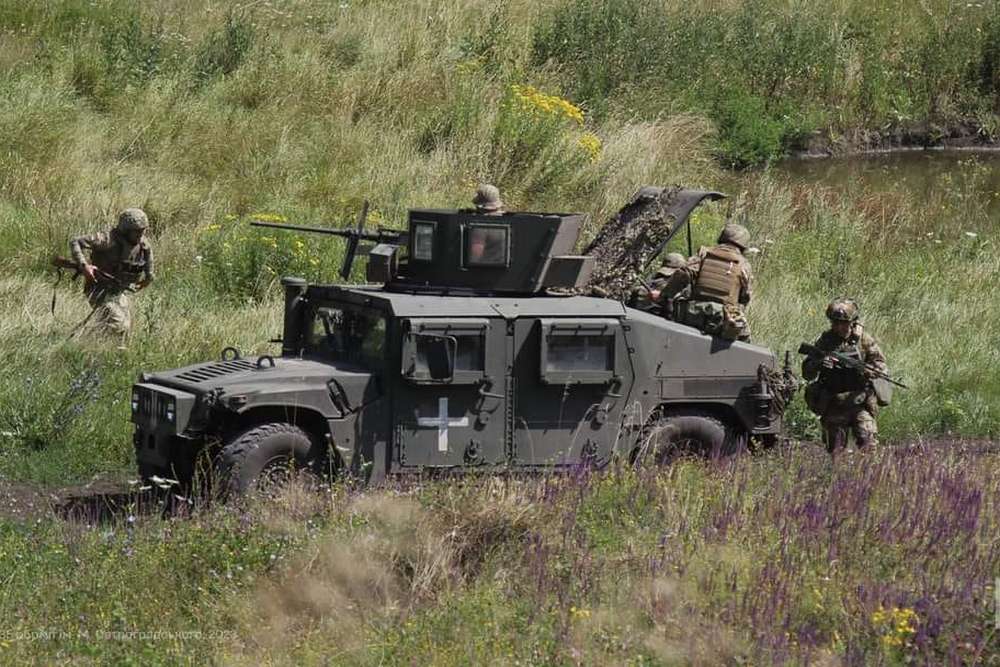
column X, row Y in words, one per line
column 719, row 277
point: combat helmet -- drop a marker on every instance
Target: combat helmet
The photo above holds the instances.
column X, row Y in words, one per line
column 674, row 260
column 487, row 199
column 843, row 310
column 132, row 219
column 735, row 234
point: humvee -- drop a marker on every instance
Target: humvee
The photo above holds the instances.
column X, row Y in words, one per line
column 472, row 349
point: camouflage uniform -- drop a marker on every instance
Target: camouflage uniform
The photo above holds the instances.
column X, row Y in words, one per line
column 720, row 283
column 120, row 265
column 844, row 398
column 642, row 297
column 487, row 200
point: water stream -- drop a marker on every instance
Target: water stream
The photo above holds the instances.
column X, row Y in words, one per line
column 942, row 180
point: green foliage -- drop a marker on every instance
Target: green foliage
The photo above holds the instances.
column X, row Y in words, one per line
column 748, row 133
column 243, row 262
column 770, row 73
column 223, row 51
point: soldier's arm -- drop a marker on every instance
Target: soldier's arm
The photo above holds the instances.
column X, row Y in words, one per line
column 148, row 278
column 81, row 243
column 746, row 283
column 873, row 353
column 812, row 365
column 676, row 284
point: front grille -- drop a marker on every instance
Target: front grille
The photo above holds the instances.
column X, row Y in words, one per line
column 145, row 403
column 212, row 371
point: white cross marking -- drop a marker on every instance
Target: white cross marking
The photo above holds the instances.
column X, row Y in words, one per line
column 442, row 422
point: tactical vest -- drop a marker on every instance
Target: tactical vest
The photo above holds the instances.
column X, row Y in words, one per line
column 719, row 276
column 124, row 263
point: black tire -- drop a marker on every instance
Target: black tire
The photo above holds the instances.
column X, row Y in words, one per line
column 268, row 452
column 688, row 432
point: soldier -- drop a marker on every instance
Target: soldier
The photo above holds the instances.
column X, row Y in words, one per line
column 844, row 398
column 487, row 200
column 120, row 262
column 648, row 298
column 719, row 279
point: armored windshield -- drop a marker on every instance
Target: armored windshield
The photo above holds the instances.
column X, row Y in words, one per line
column 349, row 335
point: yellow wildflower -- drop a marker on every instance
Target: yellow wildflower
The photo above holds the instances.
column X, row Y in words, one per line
column 896, row 624
column 591, row 145
column 532, row 100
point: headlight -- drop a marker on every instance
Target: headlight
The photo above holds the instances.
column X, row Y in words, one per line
column 167, row 407
column 135, row 401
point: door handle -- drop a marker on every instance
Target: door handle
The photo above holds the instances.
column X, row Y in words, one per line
column 483, row 392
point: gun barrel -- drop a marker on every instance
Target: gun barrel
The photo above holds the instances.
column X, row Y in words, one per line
column 380, row 236
column 304, row 228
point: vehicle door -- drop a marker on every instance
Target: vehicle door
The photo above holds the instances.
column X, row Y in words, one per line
column 458, row 420
column 572, row 378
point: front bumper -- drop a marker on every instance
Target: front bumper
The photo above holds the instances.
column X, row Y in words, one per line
column 161, row 416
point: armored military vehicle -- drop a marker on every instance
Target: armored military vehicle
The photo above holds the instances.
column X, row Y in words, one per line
column 473, row 349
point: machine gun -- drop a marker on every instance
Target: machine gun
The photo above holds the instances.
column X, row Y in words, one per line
column 353, row 236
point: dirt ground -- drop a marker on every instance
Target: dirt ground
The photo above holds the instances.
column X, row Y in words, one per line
column 94, row 502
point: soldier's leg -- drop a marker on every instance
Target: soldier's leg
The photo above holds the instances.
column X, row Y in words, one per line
column 835, row 432
column 865, row 429
column 113, row 317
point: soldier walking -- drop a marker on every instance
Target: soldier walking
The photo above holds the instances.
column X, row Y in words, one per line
column 845, row 398
column 719, row 279
column 120, row 261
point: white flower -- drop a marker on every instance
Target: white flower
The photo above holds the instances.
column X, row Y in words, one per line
column 753, row 250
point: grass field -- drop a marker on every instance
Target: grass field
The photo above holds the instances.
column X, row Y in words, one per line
column 207, row 114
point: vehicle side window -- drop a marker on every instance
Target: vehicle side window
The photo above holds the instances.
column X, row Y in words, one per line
column 352, row 336
column 486, row 245
column 470, row 349
column 581, row 353
column 468, row 354
column 578, row 350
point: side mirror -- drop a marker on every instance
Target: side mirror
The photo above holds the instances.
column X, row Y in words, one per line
column 435, row 353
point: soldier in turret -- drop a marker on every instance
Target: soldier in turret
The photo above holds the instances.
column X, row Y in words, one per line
column 487, row 200
column 719, row 279
column 120, row 261
column 845, row 398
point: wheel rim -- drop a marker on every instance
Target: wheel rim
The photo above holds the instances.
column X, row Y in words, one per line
column 275, row 474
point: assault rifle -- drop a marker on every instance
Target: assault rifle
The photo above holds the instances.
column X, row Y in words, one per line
column 64, row 263
column 849, row 362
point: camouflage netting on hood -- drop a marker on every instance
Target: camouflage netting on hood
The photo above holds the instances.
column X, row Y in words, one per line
column 630, row 240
